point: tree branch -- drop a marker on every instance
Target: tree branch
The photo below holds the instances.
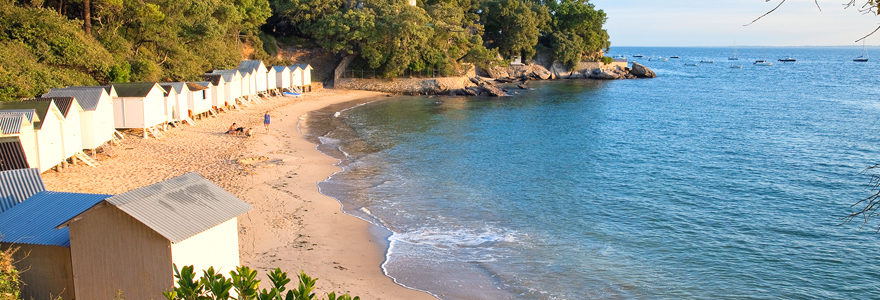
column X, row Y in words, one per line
column 870, row 34
column 767, row 13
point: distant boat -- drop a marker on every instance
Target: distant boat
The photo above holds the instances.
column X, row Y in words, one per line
column 638, row 55
column 864, row 56
column 734, row 57
column 658, row 59
column 674, row 57
column 736, row 66
column 788, row 59
column 707, row 62
column 690, row 64
column 763, row 63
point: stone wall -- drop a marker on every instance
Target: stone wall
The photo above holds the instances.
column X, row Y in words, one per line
column 408, row 86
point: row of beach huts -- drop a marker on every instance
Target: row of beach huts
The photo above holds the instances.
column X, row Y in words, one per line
column 61, row 125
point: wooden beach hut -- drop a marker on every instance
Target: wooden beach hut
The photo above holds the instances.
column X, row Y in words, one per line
column 270, row 80
column 97, row 119
column 71, row 131
column 199, row 97
column 257, row 71
column 232, row 84
column 19, row 146
column 186, row 220
column 282, row 77
column 178, row 94
column 16, row 185
column 304, row 79
column 44, row 250
column 218, row 97
column 140, row 105
column 47, row 121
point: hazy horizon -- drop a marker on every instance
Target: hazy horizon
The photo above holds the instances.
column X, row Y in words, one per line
column 719, row 23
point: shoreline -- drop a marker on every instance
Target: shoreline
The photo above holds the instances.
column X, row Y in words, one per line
column 293, row 225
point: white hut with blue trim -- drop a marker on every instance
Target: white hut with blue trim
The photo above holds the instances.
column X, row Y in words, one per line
column 257, row 72
column 139, row 105
column 18, row 145
column 282, row 77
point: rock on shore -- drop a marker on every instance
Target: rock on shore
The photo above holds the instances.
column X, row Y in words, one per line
column 641, row 71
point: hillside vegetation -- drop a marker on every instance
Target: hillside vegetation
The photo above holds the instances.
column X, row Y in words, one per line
column 53, row 43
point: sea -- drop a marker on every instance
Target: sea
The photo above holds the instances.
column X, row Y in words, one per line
column 713, row 180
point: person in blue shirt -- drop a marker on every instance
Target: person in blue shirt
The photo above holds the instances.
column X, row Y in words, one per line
column 266, row 121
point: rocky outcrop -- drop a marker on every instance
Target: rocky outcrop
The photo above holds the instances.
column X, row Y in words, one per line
column 519, row 72
column 641, row 71
column 485, row 88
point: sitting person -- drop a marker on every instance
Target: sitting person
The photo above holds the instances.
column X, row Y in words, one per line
column 233, row 129
column 249, row 132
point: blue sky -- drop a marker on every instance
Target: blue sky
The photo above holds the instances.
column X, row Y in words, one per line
column 720, row 23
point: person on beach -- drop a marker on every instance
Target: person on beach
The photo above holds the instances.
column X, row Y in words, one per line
column 232, row 129
column 266, row 121
column 249, row 132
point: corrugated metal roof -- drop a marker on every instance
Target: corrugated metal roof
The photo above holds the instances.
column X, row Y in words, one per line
column 11, row 123
column 41, row 108
column 250, row 66
column 12, row 154
column 213, row 78
column 180, row 207
column 87, row 97
column 135, row 89
column 301, row 66
column 29, row 113
column 227, row 74
column 281, row 68
column 34, row 221
column 63, row 103
column 18, row 185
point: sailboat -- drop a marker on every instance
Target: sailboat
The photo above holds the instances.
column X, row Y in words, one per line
column 734, row 57
column 864, row 56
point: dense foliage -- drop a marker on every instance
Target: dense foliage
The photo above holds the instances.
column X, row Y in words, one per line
column 52, row 43
column 9, row 276
column 215, row 286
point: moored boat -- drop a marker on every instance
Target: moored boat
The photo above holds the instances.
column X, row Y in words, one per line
column 788, row 59
column 762, row 62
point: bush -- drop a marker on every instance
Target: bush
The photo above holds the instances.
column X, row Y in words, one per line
column 215, row 286
column 607, row 60
column 9, row 280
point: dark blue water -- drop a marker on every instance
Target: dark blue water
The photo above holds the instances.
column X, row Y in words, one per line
column 707, row 182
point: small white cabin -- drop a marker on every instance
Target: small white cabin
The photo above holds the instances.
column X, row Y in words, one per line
column 18, row 149
column 258, row 71
column 304, row 81
column 71, row 130
column 176, row 100
column 232, row 84
column 139, row 105
column 270, row 79
column 296, row 77
column 282, row 77
column 96, row 120
column 48, row 138
column 199, row 97
column 218, row 97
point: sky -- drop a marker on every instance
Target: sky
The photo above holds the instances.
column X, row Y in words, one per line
column 720, row 23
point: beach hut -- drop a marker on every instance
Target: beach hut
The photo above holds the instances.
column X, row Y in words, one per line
column 270, row 80
column 129, row 242
column 96, row 120
column 19, row 148
column 282, row 77
column 178, row 95
column 257, row 70
column 304, row 81
column 47, row 121
column 139, row 105
column 44, row 250
column 232, row 84
column 17, row 185
column 218, row 97
column 296, row 77
column 199, row 97
column 71, row 131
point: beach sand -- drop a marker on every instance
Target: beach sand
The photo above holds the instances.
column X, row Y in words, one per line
column 292, row 225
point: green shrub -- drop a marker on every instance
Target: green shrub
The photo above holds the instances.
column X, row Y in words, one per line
column 607, row 60
column 215, row 286
column 9, row 279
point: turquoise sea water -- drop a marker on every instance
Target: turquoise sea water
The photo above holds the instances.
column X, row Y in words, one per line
column 707, row 182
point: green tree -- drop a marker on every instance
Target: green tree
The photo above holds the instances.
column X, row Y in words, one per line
column 578, row 31
column 514, row 26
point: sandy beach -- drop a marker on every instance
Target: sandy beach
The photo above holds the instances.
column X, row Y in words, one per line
column 292, row 226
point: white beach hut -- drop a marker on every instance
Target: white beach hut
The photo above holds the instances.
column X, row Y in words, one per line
column 218, row 97
column 139, row 105
column 18, row 145
column 282, row 77
column 232, row 85
column 257, row 70
column 199, row 97
column 305, row 77
column 296, row 77
column 71, row 131
column 180, row 110
column 47, row 121
column 96, row 120
column 270, row 80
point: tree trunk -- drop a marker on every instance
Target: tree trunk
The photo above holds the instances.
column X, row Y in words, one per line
column 87, row 17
